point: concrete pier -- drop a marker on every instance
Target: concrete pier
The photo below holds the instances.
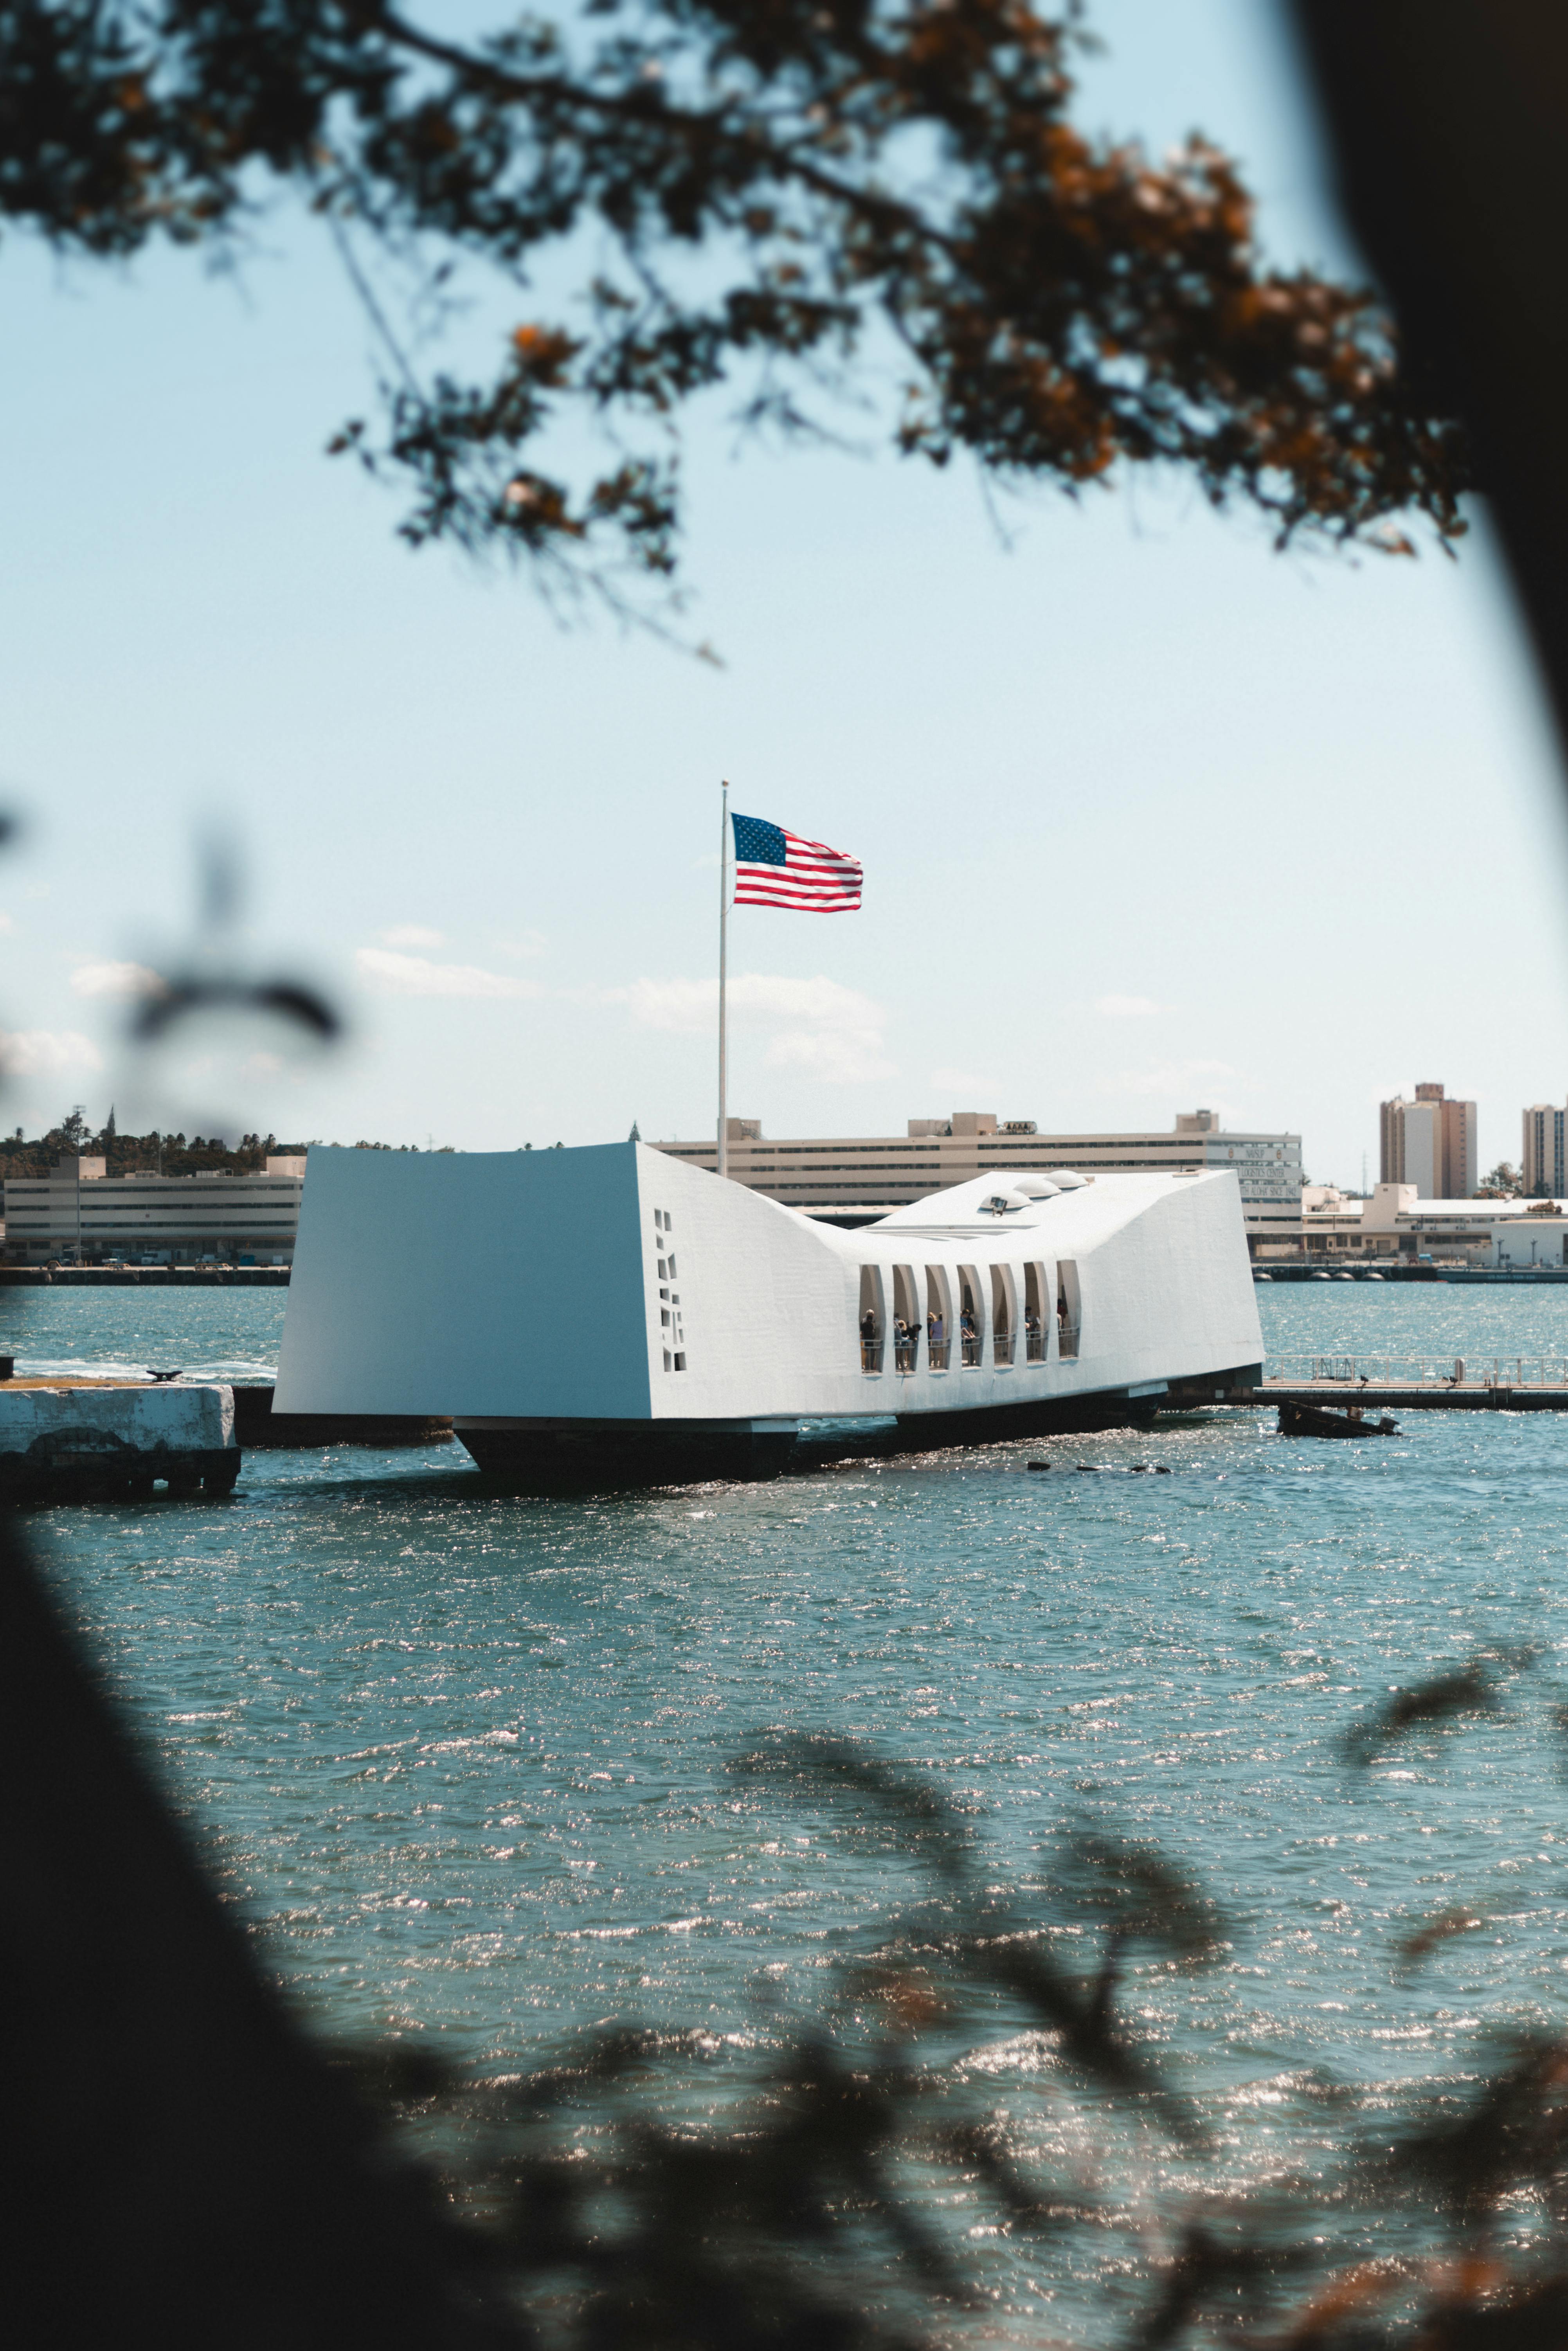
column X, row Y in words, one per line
column 68, row 1440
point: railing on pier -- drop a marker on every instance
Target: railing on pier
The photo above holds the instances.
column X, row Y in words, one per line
column 1034, row 1344
column 871, row 1349
column 905, row 1347
column 1067, row 1338
column 1002, row 1346
column 937, row 1353
column 1410, row 1371
column 969, row 1350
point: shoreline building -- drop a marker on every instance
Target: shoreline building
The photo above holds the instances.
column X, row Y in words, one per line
column 1398, row 1222
column 1430, row 1143
column 1543, row 1161
column 852, row 1179
column 80, row 1212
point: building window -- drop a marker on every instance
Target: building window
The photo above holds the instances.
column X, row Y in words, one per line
column 672, row 1329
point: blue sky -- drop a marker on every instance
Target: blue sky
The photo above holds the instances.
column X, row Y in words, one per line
column 1150, row 816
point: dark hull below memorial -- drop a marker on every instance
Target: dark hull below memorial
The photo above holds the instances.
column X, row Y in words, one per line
column 601, row 1457
column 257, row 1424
column 586, row 1457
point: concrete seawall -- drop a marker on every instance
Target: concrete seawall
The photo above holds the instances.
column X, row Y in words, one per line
column 1388, row 1270
column 143, row 1277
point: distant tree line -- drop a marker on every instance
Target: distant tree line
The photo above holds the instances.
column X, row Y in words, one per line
column 157, row 1153
column 138, row 1154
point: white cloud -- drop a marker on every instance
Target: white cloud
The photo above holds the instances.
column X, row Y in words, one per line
column 688, row 1006
column 841, row 1059
column 964, row 1082
column 1128, row 1008
column 1176, row 1078
column 834, row 1032
column 405, row 975
column 526, row 943
column 7, row 924
column 412, row 935
column 39, row 1052
column 115, row 979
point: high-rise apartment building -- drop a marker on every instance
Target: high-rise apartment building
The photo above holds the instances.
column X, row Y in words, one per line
column 1430, row 1143
column 1543, row 1162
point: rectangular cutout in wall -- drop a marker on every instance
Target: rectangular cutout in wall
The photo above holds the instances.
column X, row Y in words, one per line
column 672, row 1330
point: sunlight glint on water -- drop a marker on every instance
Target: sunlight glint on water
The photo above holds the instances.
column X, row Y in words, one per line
column 463, row 1758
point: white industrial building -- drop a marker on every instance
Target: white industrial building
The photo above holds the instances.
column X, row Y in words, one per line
column 80, row 1214
column 842, row 1175
column 1397, row 1222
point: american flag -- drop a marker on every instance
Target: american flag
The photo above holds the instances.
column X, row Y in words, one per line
column 775, row 868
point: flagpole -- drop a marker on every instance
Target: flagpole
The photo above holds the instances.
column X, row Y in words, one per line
column 723, row 953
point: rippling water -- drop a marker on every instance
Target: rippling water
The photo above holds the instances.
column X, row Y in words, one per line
column 463, row 1758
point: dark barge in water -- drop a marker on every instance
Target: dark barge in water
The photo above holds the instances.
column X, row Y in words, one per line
column 1316, row 1420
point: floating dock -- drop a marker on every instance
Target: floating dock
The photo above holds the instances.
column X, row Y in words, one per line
column 1377, row 1395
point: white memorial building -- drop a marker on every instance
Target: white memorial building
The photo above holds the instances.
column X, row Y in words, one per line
column 611, row 1315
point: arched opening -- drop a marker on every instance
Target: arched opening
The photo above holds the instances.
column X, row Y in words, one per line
column 938, row 1318
column 971, row 1318
column 1068, row 1311
column 1004, row 1313
column 873, row 1320
column 906, row 1319
column 1034, row 1330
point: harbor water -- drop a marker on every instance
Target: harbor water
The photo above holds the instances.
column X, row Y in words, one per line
column 461, row 1759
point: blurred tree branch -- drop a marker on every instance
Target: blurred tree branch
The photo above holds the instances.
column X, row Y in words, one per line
column 1448, row 129
column 779, row 190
